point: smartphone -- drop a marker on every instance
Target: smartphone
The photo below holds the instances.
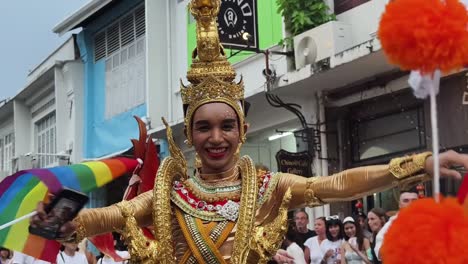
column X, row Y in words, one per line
column 63, row 208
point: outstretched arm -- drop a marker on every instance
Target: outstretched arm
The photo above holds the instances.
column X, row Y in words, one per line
column 91, row 222
column 354, row 183
column 358, row 182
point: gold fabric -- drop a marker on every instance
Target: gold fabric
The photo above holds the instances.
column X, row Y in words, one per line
column 107, row 219
column 345, row 186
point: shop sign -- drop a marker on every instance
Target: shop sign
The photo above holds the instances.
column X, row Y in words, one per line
column 296, row 163
column 235, row 19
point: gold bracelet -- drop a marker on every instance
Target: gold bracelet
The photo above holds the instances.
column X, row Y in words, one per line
column 409, row 165
column 80, row 231
column 309, row 195
column 77, row 236
column 420, row 159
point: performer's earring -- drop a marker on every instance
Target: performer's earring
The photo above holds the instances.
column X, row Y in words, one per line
column 188, row 143
column 243, row 139
column 237, row 153
column 198, row 162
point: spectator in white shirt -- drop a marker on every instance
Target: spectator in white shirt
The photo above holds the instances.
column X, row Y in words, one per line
column 70, row 255
column 20, row 258
column 406, row 198
column 293, row 249
column 331, row 247
column 120, row 249
column 5, row 256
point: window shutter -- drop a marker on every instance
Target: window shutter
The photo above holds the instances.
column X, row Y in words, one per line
column 113, row 38
column 100, row 46
column 127, row 30
column 123, row 32
column 140, row 22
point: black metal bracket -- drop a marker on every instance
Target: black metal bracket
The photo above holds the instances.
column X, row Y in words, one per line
column 309, row 132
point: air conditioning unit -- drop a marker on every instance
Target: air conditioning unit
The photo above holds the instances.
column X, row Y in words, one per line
column 321, row 42
column 23, row 162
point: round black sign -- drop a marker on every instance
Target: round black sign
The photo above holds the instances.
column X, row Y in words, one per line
column 235, row 18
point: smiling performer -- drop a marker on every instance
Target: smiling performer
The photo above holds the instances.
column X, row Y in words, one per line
column 226, row 213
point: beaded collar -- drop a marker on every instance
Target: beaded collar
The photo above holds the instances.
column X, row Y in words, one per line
column 227, row 188
column 220, row 209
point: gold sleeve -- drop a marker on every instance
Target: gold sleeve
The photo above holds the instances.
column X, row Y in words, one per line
column 354, row 183
column 91, row 222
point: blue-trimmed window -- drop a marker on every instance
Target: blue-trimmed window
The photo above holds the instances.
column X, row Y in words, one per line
column 122, row 47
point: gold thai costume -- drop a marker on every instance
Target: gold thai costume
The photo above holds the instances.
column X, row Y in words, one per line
column 243, row 217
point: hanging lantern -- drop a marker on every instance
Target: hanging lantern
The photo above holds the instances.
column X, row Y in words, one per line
column 421, row 190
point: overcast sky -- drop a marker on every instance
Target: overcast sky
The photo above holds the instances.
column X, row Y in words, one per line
column 27, row 37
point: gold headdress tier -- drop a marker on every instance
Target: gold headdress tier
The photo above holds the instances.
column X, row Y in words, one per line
column 211, row 76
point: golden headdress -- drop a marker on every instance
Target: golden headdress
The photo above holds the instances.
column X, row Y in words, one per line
column 211, row 76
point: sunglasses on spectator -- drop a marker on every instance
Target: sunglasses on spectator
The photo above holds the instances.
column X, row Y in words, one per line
column 332, row 217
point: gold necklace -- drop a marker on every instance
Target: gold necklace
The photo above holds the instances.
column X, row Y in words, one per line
column 224, row 188
column 220, row 176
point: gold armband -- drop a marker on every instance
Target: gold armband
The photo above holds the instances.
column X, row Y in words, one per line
column 125, row 208
column 309, row 195
column 77, row 236
column 80, row 231
column 409, row 165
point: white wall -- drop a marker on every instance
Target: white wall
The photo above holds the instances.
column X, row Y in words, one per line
column 56, row 84
column 73, row 73
column 6, row 126
column 251, row 71
column 62, row 109
column 179, row 56
column 69, row 109
column 264, row 151
column 64, row 52
column 364, row 20
column 39, row 115
column 22, row 126
column 158, row 37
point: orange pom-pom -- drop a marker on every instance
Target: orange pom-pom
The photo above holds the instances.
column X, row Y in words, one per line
column 425, row 35
column 428, row 232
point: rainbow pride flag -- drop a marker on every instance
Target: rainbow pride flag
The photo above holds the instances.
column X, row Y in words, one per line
column 20, row 193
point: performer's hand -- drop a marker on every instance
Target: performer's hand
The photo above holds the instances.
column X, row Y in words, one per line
column 65, row 230
column 447, row 159
column 283, row 257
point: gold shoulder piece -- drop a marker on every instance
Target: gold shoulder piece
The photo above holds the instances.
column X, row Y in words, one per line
column 309, row 195
column 175, row 151
column 140, row 248
column 268, row 238
column 162, row 211
column 409, row 165
column 248, row 208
